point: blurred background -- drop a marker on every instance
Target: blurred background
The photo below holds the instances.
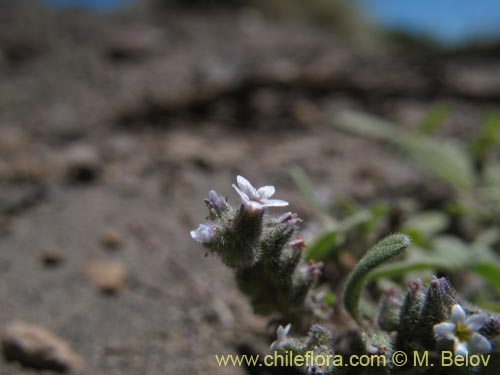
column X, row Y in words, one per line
column 118, row 116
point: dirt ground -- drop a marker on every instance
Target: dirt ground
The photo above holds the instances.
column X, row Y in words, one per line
column 112, row 130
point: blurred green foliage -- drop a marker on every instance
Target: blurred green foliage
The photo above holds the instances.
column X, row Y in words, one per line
column 460, row 233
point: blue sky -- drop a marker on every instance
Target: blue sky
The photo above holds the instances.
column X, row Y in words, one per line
column 96, row 4
column 451, row 21
column 448, row 20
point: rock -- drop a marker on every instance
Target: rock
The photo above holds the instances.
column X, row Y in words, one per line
column 51, row 258
column 83, row 163
column 112, row 239
column 110, row 277
column 35, row 347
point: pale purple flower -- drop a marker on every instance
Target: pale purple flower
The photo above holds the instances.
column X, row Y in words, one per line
column 288, row 218
column 315, row 370
column 311, row 270
column 463, row 332
column 297, row 244
column 205, row 233
column 282, row 333
column 256, row 199
column 216, row 202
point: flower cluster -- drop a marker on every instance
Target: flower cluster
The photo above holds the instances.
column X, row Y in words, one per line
column 265, row 250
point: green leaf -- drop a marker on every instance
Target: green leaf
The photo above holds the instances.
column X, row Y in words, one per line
column 324, row 247
column 330, row 242
column 491, row 173
column 403, row 267
column 452, row 250
column 446, row 160
column 488, row 237
column 449, row 254
column 427, row 224
column 354, row 220
column 434, row 119
column 489, row 272
column 490, row 197
column 489, row 137
column 384, row 250
column 330, row 299
column 488, row 305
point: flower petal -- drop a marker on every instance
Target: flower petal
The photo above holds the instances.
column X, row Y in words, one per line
column 445, row 330
column 461, row 349
column 287, row 328
column 203, row 234
column 246, row 187
column 281, row 332
column 244, row 197
column 457, row 314
column 275, row 345
column 476, row 322
column 479, row 344
column 274, row 203
column 255, row 206
column 265, row 192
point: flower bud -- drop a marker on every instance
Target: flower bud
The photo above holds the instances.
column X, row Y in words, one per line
column 204, row 234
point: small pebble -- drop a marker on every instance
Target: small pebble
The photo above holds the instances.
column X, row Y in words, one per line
column 112, row 239
column 35, row 347
column 110, row 277
column 51, row 258
column 83, row 163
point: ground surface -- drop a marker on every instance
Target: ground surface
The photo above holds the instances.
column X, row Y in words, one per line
column 123, row 123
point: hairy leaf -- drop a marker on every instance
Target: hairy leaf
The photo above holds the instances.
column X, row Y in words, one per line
column 384, row 250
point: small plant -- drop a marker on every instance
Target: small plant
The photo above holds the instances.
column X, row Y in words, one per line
column 264, row 250
column 267, row 254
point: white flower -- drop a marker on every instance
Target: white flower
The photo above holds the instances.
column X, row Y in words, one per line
column 315, row 370
column 463, row 332
column 282, row 333
column 256, row 199
column 204, row 234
